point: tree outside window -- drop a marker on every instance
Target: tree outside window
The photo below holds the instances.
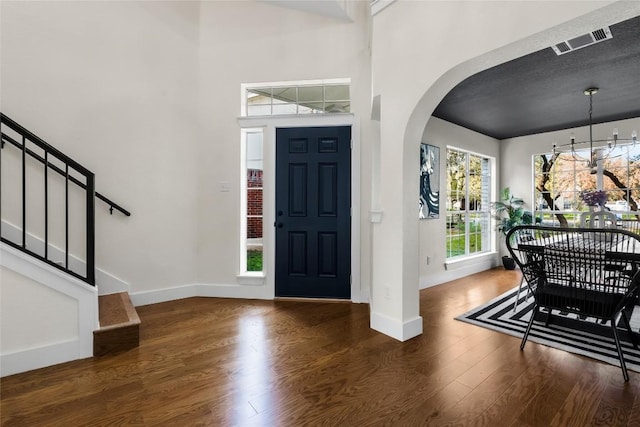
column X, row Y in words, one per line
column 560, row 178
column 467, row 203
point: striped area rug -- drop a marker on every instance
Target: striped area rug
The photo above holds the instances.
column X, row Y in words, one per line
column 588, row 337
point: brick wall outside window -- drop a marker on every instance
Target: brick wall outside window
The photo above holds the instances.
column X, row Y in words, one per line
column 254, row 204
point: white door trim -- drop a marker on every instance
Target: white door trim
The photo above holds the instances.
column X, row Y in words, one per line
column 269, row 124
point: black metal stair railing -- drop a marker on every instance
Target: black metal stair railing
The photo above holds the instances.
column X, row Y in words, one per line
column 72, row 172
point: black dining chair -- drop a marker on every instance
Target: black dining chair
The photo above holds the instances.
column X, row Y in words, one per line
column 593, row 273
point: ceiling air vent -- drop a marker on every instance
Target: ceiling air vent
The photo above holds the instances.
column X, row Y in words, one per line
column 582, row 41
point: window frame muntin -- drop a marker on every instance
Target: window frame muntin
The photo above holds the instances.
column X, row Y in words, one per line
column 488, row 234
column 245, row 87
column 575, row 170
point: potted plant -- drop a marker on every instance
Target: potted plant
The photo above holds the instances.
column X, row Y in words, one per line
column 510, row 212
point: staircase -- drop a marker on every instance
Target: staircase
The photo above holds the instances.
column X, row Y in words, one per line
column 119, row 325
column 51, row 174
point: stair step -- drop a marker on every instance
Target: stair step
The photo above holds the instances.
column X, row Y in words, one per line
column 119, row 325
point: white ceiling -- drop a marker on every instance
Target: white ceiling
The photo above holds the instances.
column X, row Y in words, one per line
column 331, row 8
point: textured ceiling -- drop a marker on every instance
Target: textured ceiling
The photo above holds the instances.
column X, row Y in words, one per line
column 542, row 92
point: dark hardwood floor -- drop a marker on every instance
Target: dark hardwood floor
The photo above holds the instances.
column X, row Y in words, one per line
column 289, row 363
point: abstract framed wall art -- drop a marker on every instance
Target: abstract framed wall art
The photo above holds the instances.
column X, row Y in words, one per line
column 429, row 203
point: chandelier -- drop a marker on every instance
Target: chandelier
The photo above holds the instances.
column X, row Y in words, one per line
column 601, row 151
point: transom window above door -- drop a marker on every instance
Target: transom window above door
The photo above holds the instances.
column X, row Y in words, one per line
column 299, row 98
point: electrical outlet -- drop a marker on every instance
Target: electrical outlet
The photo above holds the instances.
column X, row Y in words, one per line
column 387, row 292
column 428, row 260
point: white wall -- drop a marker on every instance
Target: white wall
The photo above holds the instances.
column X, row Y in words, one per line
column 46, row 317
column 265, row 44
column 113, row 84
column 433, row 231
column 147, row 96
column 421, row 50
column 514, row 158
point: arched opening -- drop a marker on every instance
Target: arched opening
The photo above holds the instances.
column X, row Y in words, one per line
column 421, row 114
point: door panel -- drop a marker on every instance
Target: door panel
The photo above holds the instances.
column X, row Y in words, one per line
column 298, row 190
column 313, row 220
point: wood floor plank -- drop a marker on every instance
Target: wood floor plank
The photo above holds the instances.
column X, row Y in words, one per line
column 615, row 406
column 470, row 411
column 580, row 405
column 224, row 362
column 634, row 412
column 563, row 372
column 522, row 391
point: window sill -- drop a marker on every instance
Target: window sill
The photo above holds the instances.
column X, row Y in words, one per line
column 251, row 278
column 469, row 260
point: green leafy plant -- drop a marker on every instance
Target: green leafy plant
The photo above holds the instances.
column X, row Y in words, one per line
column 510, row 212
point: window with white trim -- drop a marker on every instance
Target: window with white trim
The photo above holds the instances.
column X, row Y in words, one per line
column 309, row 97
column 561, row 177
column 252, row 201
column 468, row 203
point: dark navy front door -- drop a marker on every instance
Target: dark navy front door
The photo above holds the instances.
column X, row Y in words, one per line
column 313, row 219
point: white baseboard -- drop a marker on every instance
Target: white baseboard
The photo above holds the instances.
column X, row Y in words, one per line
column 199, row 290
column 109, row 284
column 106, row 282
column 402, row 331
column 36, row 358
column 459, row 271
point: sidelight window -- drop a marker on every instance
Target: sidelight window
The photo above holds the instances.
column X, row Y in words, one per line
column 252, row 201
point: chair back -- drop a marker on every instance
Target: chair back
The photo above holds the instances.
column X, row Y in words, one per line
column 598, row 219
column 592, row 272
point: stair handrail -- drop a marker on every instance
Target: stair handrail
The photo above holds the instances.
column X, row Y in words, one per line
column 42, row 144
column 89, row 187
